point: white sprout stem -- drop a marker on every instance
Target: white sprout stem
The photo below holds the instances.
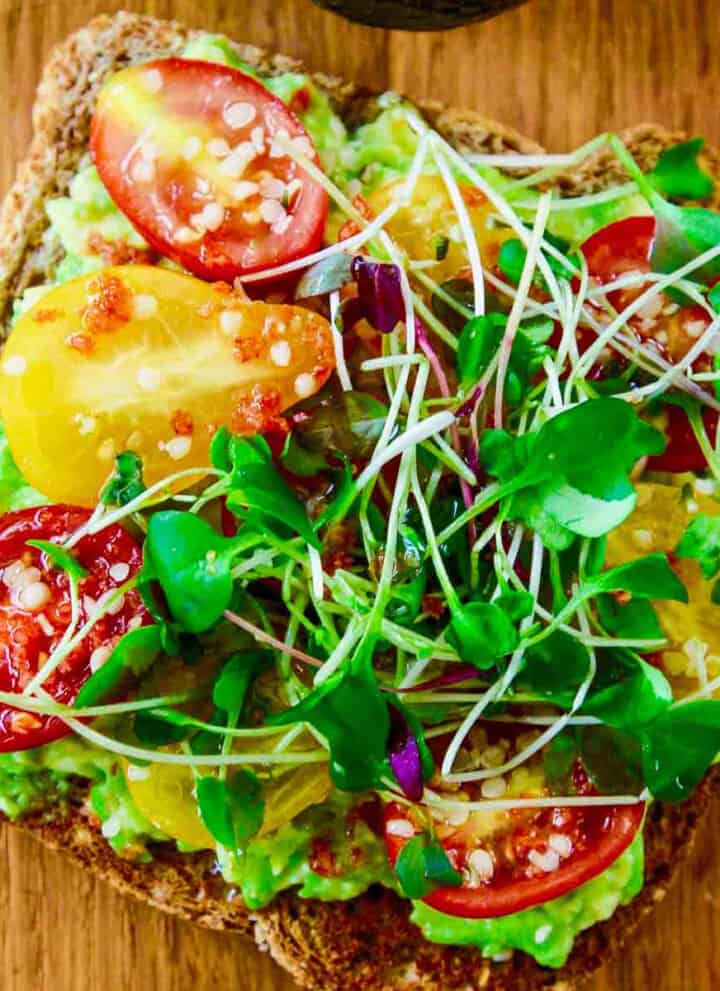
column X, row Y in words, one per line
column 501, row 686
column 528, row 272
column 338, row 343
column 471, row 244
column 564, row 203
column 434, row 424
column 347, row 642
column 509, row 804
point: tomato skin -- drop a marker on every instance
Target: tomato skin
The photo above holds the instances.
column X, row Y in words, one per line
column 23, row 641
column 182, row 100
column 683, row 452
column 613, row 830
column 624, row 246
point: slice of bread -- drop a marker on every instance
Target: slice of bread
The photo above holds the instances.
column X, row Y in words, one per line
column 367, row 943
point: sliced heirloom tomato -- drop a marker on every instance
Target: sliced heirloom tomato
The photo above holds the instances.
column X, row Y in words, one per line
column 35, row 612
column 512, row 860
column 620, row 249
column 191, row 153
column 149, row 360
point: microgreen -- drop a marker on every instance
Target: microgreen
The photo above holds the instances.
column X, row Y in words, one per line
column 639, row 693
column 61, row 558
column 238, row 673
column 126, row 482
column 553, row 667
column 132, row 656
column 679, row 746
column 479, row 341
column 636, row 619
column 701, row 541
column 325, row 276
column 678, row 173
column 233, row 809
column 481, row 632
column 423, row 866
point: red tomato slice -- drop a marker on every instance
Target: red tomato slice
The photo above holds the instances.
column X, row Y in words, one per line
column 35, row 611
column 532, row 857
column 625, row 247
column 189, row 152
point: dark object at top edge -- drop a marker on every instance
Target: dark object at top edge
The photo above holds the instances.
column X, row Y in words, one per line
column 417, row 15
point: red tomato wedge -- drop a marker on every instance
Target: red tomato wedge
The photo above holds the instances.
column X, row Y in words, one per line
column 625, row 247
column 35, row 611
column 193, row 154
column 525, row 858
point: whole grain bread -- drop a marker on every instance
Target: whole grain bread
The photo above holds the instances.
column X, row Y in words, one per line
column 368, row 943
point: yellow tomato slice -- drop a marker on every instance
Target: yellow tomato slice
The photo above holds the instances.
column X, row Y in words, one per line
column 430, row 216
column 657, row 524
column 149, row 360
column 164, row 793
column 293, row 793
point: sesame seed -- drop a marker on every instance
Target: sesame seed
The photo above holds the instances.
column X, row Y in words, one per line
column 135, row 623
column 692, row 506
column 185, row 235
column 400, row 827
column 145, row 305
column 178, row 448
column 237, row 115
column 303, row 146
column 119, row 572
column 280, row 354
column 546, row 862
column 136, row 773
column 34, row 596
column 454, row 817
column 257, row 136
column 272, row 188
column 191, row 148
column 704, row 486
column 695, row 328
column 281, row 225
column 243, row 190
column 304, row 385
column 562, row 845
column 142, row 170
column 99, row 656
column 542, row 933
column 218, row 148
column 12, row 573
column 271, row 211
column 15, row 365
column 643, row 539
column 153, row 80
column 493, row 787
column 238, row 160
column 209, row 218
column 85, row 424
column 230, row 322
column 149, row 379
column 481, row 866
column 106, row 450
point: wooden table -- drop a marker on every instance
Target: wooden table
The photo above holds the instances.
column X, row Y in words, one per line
column 560, row 71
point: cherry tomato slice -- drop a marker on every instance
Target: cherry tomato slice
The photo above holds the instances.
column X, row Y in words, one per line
column 683, row 452
column 529, row 858
column 191, row 153
column 619, row 248
column 35, row 611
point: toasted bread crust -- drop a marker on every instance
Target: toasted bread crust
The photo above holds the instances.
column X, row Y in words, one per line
column 367, row 943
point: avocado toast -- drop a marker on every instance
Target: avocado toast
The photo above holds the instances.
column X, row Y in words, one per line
column 367, row 940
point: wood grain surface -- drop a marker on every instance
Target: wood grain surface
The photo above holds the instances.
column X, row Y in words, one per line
column 558, row 70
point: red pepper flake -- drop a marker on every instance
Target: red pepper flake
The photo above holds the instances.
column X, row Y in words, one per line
column 182, row 423
column 257, row 412
column 47, row 316
column 119, row 252
column 322, row 859
column 109, row 304
column 348, row 229
column 433, row 605
column 300, row 100
column 472, row 196
column 224, row 288
column 363, row 207
column 246, row 349
column 83, row 343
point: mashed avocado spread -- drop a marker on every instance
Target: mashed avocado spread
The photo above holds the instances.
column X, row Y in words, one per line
column 376, row 153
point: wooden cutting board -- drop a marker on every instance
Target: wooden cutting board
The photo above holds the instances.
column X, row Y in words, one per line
column 558, row 70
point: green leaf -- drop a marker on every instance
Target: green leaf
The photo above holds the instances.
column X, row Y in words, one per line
column 678, row 174
column 133, row 655
column 126, row 482
column 238, row 673
column 461, row 290
column 15, row 493
column 155, row 730
column 517, row 605
column 701, row 541
column 633, row 701
column 559, row 761
column 679, row 747
column 61, row 558
column 348, row 707
column 636, row 619
column 714, row 297
column 683, row 233
column 300, row 461
column 480, row 339
column 193, row 565
column 258, row 486
column 423, row 866
column 555, row 667
column 481, row 632
column 347, row 422
column 649, row 577
column 232, row 810
column 611, row 759
column 512, row 255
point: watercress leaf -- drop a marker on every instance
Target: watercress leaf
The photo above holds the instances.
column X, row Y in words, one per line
column 635, row 619
column 527, row 506
column 348, row 422
column 61, row 558
column 423, row 865
column 479, row 340
column 461, row 290
column 611, row 759
column 301, row 461
column 714, row 297
column 681, row 234
column 634, row 701
column 679, row 746
column 126, row 482
column 438, row 869
column 538, row 329
column 193, row 564
column 559, row 761
column 258, row 486
column 232, row 810
column 324, row 276
column 649, row 577
column 154, row 730
column 248, row 451
column 511, row 259
column 678, row 174
column 555, row 667
column 701, row 541
column 219, row 450
column 15, row 493
column 132, row 656
column 238, row 672
column 581, row 513
column 517, row 605
column 481, row 632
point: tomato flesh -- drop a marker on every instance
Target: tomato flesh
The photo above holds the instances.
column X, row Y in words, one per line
column 191, row 153
column 149, row 360
column 625, row 247
column 513, row 860
column 35, row 611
